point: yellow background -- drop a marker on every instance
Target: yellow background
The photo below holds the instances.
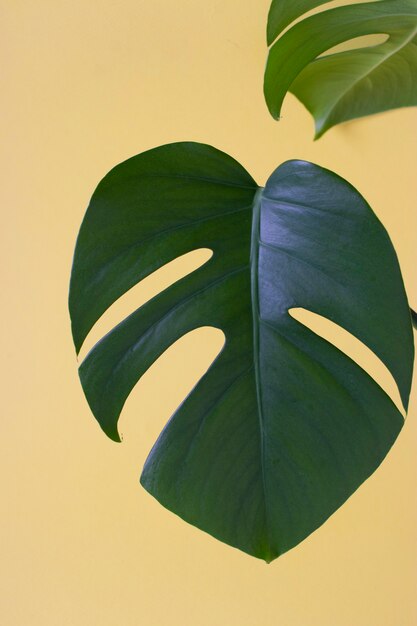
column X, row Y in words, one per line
column 85, row 85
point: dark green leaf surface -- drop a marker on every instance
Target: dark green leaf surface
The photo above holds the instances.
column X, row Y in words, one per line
column 345, row 85
column 283, row 427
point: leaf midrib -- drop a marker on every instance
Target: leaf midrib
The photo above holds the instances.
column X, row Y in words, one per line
column 254, row 262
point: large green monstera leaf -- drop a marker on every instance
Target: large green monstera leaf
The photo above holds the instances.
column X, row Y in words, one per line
column 283, row 426
column 344, row 85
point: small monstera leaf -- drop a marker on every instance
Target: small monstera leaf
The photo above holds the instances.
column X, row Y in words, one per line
column 345, row 85
column 283, row 426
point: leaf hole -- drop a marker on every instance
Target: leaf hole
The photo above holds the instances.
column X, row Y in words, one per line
column 165, row 385
column 142, row 292
column 364, row 41
column 353, row 348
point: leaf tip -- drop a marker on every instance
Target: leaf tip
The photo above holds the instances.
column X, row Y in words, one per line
column 318, row 133
column 114, row 435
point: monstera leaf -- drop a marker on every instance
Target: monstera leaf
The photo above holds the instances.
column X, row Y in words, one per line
column 283, row 426
column 345, row 85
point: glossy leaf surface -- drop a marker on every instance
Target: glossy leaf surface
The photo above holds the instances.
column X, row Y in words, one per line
column 341, row 86
column 283, row 426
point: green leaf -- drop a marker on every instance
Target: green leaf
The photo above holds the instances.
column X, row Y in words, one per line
column 283, row 426
column 344, row 85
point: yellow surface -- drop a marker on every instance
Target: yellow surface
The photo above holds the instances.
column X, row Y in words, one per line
column 85, row 85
